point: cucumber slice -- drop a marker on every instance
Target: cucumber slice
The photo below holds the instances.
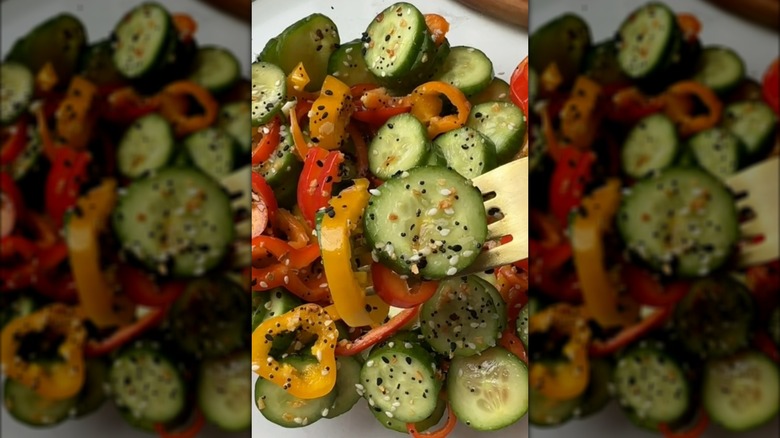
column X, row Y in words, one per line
column 602, row 66
column 348, row 376
column 597, row 395
column 393, row 41
column 400, row 144
column 563, row 41
column 651, row 145
column 234, row 118
column 279, row 407
column 716, row 317
column 467, row 151
column 269, row 91
column 681, row 222
column 26, row 406
column 348, row 65
column 224, row 391
column 311, row 40
column 282, row 169
column 400, row 381
column 16, row 91
column 741, row 392
column 212, row 150
column 645, row 39
column 93, row 393
column 503, row 123
column 420, row 426
column 488, row 391
column 754, row 123
column 215, row 69
column 468, row 69
column 463, row 317
column 147, row 385
column 720, row 69
column 146, row 146
column 431, row 208
column 97, row 64
column 717, row 151
column 496, row 91
column 143, row 37
column 546, row 412
column 157, row 222
column 651, row 385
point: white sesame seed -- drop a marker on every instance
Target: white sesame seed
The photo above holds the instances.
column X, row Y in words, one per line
column 452, row 271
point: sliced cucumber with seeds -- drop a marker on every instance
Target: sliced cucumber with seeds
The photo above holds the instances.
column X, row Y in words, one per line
column 269, row 90
column 146, row 146
column 177, row 222
column 650, row 146
column 717, row 150
column 719, row 68
column 400, row 144
column 281, row 170
column 488, row 391
column 741, row 392
column 215, row 69
column 715, row 316
column 681, row 222
column 503, row 123
column 496, row 91
column 420, row 426
column 429, row 222
column 400, row 381
column 754, row 123
column 393, row 41
column 347, row 377
column 224, row 391
column 651, row 386
column 147, row 385
column 26, row 406
column 143, row 39
column 59, row 40
column 467, row 151
column 463, row 317
column 468, row 69
column 212, row 150
column 564, row 42
column 645, row 39
column 235, row 119
column 348, row 65
column 311, row 40
column 210, row 318
column 16, row 91
column 279, row 407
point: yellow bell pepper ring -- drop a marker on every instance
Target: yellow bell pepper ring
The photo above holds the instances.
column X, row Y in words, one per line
column 347, row 292
column 315, row 381
column 96, row 295
column 563, row 380
column 57, row 380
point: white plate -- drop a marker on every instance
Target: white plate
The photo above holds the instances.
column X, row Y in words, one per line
column 99, row 18
column 504, row 45
column 758, row 47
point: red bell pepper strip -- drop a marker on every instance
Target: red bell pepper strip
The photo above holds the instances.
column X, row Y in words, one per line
column 320, row 172
column 268, row 144
column 190, row 432
column 702, row 422
column 690, row 26
column 646, row 289
column 58, row 287
column 444, row 432
column 377, row 117
column 67, row 174
column 123, row 335
column 766, row 345
column 261, row 188
column 518, row 86
column 567, row 186
column 14, row 245
column 11, row 206
column 629, row 104
column 513, row 344
column 378, row 334
column 15, row 143
column 185, row 26
column 142, row 288
column 396, row 291
column 771, row 86
column 630, row 334
column 284, row 252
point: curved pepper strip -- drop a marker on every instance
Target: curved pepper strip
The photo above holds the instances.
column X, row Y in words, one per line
column 443, row 432
column 318, row 380
column 320, row 173
column 426, row 106
column 337, row 225
column 53, row 381
column 568, row 379
column 688, row 123
column 330, row 113
column 181, row 122
column 89, row 219
column 268, row 144
column 630, row 334
column 376, row 334
column 587, row 230
column 68, row 172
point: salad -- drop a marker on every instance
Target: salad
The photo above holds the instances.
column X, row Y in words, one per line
column 365, row 223
column 637, row 292
column 124, row 208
